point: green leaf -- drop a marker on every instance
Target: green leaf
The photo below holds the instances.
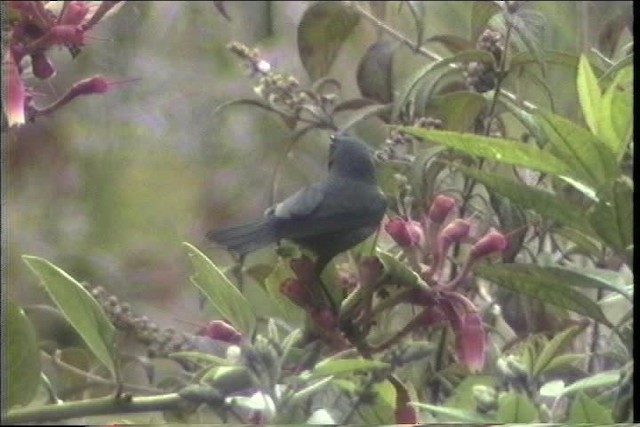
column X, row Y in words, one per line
column 545, row 203
column 585, row 410
column 529, row 26
column 542, row 283
column 202, row 358
column 616, row 114
column 562, row 362
column 220, row 292
column 612, row 217
column 622, row 63
column 322, row 31
column 554, row 57
column 496, row 149
column 345, row 366
column 481, row 13
column 553, row 348
column 462, row 397
column 418, row 76
column 21, row 364
column 301, row 396
column 516, row 408
column 591, row 161
column 365, row 113
column 80, row 309
column 375, row 72
column 453, row 415
column 590, row 278
column 589, row 94
column 604, row 379
column 381, row 411
column 458, row 110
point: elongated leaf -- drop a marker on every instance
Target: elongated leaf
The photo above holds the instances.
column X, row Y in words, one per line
column 321, row 33
column 481, row 13
column 499, row 150
column 615, row 121
column 375, row 72
column 220, row 292
column 546, row 204
column 585, row 410
column 300, row 397
column 591, row 278
column 562, row 362
column 458, row 110
column 589, row 94
column 365, row 113
column 454, row 415
column 622, row 63
column 354, row 104
column 604, row 379
column 612, row 217
column 553, row 348
column 78, row 306
column 381, row 410
column 543, row 284
column 516, row 408
column 418, row 76
column 21, row 364
column 590, row 159
column 345, row 366
column 527, row 120
column 418, row 11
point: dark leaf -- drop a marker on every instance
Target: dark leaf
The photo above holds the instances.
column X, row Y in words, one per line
column 481, row 13
column 323, row 29
column 219, row 5
column 375, row 72
column 354, row 104
column 455, row 44
column 612, row 217
column 611, row 31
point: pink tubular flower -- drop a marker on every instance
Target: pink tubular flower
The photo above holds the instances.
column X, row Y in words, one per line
column 490, row 243
column 470, row 342
column 222, row 331
column 41, row 66
column 406, row 233
column 14, row 102
column 297, row 292
column 74, row 13
column 440, row 208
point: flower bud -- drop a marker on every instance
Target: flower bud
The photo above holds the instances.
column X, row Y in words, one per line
column 470, row 342
column 296, row 292
column 324, row 318
column 41, row 66
column 440, row 208
column 74, row 13
column 492, row 242
column 222, row 331
column 406, row 233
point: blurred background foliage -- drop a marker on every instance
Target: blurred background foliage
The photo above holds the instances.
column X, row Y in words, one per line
column 109, row 186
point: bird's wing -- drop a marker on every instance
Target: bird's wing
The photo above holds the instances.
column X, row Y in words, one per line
column 301, row 203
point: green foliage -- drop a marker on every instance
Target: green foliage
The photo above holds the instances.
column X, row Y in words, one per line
column 508, row 123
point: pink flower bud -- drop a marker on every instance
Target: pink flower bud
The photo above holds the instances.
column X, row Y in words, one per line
column 296, row 292
column 492, row 242
column 222, row 331
column 42, row 66
column 13, row 104
column 440, row 208
column 97, row 84
column 406, row 233
column 470, row 342
column 74, row 13
column 406, row 414
column 324, row 318
column 59, row 35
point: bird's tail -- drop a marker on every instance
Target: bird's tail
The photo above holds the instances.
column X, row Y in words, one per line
column 245, row 238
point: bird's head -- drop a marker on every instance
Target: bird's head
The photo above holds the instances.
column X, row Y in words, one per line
column 351, row 158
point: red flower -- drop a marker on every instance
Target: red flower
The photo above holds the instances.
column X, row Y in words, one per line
column 440, row 208
column 470, row 342
column 492, row 242
column 14, row 102
column 297, row 292
column 222, row 331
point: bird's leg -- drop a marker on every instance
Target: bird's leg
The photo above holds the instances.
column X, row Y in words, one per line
column 321, row 263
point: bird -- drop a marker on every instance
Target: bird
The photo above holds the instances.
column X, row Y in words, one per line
column 327, row 217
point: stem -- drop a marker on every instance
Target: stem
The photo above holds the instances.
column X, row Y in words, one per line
column 421, row 50
column 100, row 406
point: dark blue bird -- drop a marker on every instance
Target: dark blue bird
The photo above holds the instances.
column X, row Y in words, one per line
column 327, row 217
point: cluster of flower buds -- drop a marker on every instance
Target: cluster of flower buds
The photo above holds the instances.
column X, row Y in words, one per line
column 36, row 27
column 433, row 237
column 398, row 144
column 482, row 76
column 160, row 342
column 283, row 93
